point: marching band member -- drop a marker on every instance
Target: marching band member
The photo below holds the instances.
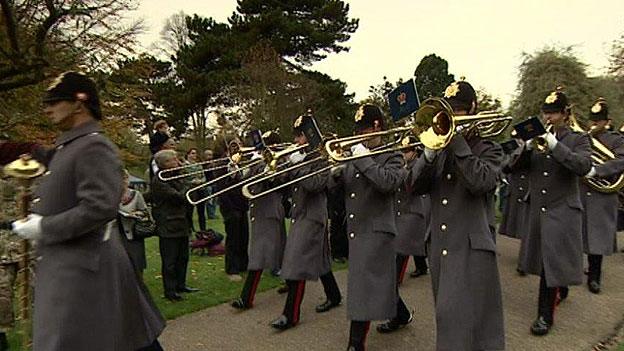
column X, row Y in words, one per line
column 554, row 245
column 268, row 235
column 411, row 221
column 413, row 215
column 233, row 206
column 601, row 209
column 87, row 295
column 462, row 253
column 306, row 256
column 370, row 183
column 515, row 212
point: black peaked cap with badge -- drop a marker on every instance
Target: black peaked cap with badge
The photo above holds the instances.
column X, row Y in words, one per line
column 599, row 110
column 366, row 116
column 461, row 95
column 74, row 86
column 556, row 101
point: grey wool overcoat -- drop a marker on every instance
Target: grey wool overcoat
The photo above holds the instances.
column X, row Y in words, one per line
column 462, row 254
column 553, row 242
column 87, row 296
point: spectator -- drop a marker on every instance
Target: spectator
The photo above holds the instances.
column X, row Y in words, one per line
column 172, row 227
column 196, row 179
column 132, row 206
column 161, row 133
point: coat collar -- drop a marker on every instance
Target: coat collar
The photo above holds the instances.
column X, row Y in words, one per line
column 76, row 132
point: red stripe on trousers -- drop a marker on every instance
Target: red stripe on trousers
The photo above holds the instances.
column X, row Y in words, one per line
column 254, row 287
column 298, row 298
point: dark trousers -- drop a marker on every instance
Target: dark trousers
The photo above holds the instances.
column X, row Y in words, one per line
column 358, row 333
column 174, row 255
column 595, row 268
column 338, row 241
column 236, row 241
column 250, row 287
column 547, row 300
column 401, row 267
column 296, row 290
column 201, row 215
column 403, row 313
column 292, row 308
column 330, row 286
column 155, row 346
column 421, row 263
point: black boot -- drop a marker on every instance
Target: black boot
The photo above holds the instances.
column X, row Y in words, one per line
column 281, row 323
column 540, row 326
column 326, row 306
column 239, row 304
column 593, row 286
column 393, row 325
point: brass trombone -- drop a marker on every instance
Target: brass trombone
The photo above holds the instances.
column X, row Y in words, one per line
column 440, row 123
column 334, row 151
column 236, row 158
column 338, row 149
column 270, row 158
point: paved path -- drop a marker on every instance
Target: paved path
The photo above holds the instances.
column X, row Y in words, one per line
column 581, row 321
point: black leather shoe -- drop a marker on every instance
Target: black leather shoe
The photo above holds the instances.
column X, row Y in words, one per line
column 282, row 323
column 418, row 272
column 563, row 293
column 188, row 289
column 594, row 287
column 239, row 304
column 355, row 348
column 173, row 297
column 326, row 306
column 283, row 289
column 520, row 272
column 540, row 327
column 394, row 325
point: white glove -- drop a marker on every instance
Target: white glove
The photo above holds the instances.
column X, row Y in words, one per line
column 551, row 140
column 591, row 173
column 29, row 228
column 528, row 144
column 359, row 149
column 296, row 157
column 430, row 154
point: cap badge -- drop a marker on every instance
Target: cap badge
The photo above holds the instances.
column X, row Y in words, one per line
column 359, row 114
column 298, row 122
column 550, row 99
column 596, row 108
column 451, row 90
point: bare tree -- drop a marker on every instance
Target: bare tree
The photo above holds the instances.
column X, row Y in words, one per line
column 39, row 38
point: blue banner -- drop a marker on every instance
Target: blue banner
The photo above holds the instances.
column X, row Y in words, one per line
column 403, row 100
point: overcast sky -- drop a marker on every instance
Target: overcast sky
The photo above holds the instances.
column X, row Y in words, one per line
column 482, row 40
